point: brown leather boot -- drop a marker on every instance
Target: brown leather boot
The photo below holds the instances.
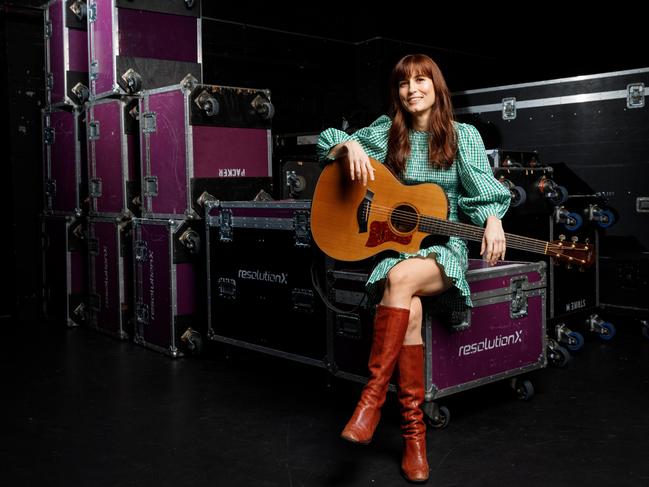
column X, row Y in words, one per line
column 390, row 325
column 414, row 464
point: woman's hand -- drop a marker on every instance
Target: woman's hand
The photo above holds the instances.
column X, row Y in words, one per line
column 493, row 242
column 360, row 168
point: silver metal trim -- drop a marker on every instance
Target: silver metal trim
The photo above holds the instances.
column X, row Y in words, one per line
column 297, row 205
column 115, row 47
column 173, row 298
column 505, row 270
column 208, row 273
column 554, row 81
column 269, row 145
column 77, row 161
column 124, row 153
column 545, row 102
column 189, row 151
column 199, row 43
column 267, row 350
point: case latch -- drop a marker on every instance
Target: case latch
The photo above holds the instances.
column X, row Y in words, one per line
column 93, row 130
column 92, row 12
column 141, row 250
column 142, row 313
column 149, row 122
column 518, row 305
column 94, row 188
column 302, row 300
column 50, row 187
column 93, row 69
column 635, row 95
column 227, row 288
column 349, row 326
column 48, row 135
column 151, row 186
column 225, row 225
column 302, row 229
column 509, row 108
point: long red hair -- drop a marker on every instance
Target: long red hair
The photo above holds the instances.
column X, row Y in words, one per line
column 442, row 144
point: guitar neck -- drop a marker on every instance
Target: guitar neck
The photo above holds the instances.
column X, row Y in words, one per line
column 471, row 232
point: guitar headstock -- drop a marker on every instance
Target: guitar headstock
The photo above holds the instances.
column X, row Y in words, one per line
column 571, row 252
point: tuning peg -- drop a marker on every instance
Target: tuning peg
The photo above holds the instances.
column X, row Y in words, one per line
column 568, row 266
column 562, row 237
column 587, row 240
column 574, row 238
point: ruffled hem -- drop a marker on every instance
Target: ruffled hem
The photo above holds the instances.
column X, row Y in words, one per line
column 450, row 264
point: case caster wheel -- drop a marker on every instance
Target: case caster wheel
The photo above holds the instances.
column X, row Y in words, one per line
column 574, row 341
column 523, row 388
column 558, row 356
column 193, row 341
column 436, row 416
column 607, row 331
column 573, row 222
column 604, row 330
column 606, row 219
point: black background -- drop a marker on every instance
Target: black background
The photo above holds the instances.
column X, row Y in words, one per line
column 322, row 62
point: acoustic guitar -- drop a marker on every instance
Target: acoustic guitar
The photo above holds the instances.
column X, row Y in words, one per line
column 352, row 222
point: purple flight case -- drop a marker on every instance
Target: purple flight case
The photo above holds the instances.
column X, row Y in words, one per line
column 64, row 269
column 139, row 44
column 506, row 337
column 193, row 134
column 166, row 256
column 64, row 156
column 66, row 52
column 110, row 266
column 113, row 157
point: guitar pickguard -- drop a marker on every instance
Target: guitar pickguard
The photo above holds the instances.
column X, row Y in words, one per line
column 380, row 233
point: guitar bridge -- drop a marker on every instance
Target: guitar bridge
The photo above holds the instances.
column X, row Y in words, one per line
column 363, row 211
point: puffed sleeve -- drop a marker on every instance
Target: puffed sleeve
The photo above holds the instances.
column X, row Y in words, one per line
column 482, row 194
column 373, row 139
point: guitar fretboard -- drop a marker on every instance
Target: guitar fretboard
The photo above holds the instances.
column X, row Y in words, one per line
column 438, row 226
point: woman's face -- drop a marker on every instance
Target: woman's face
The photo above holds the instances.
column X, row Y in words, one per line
column 417, row 94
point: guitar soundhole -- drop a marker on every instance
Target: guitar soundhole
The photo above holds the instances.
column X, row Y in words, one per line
column 404, row 218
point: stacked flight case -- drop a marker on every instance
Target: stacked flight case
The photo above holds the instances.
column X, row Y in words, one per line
column 66, row 52
column 195, row 138
column 142, row 44
column 64, row 185
column 592, row 126
column 198, row 142
column 260, row 266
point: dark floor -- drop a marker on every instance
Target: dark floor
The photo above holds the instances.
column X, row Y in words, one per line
column 82, row 409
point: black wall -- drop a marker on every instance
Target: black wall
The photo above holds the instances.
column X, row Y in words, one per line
column 22, row 98
column 320, row 69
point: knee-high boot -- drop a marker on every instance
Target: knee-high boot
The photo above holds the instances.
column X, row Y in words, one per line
column 390, row 325
column 414, row 464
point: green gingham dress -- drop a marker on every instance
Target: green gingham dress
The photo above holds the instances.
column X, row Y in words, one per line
column 469, row 184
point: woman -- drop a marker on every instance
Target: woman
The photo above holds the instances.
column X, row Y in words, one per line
column 420, row 142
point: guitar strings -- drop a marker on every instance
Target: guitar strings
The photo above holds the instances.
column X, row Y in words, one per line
column 440, row 226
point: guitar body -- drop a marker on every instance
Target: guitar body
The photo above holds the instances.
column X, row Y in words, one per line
column 351, row 222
